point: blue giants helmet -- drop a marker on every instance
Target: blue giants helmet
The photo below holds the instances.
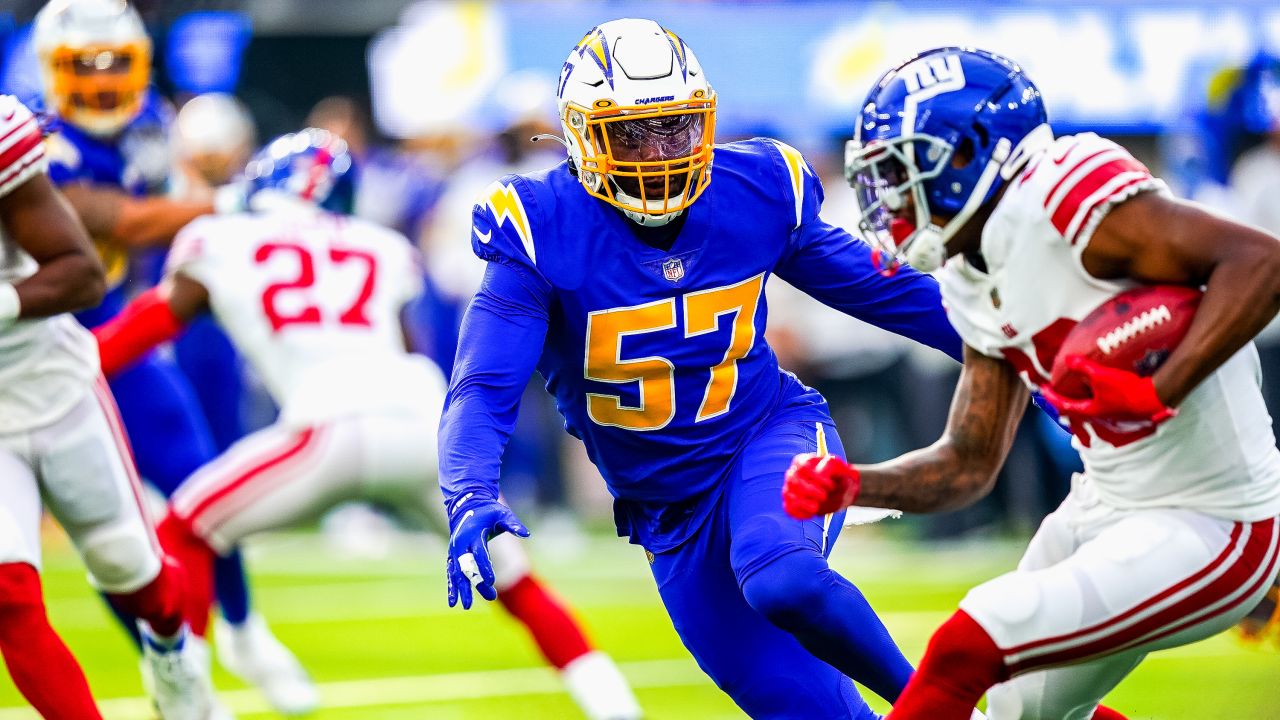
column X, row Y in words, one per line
column 938, row 136
column 311, row 165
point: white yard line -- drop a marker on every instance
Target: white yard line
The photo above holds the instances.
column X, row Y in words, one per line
column 417, row 690
column 476, row 685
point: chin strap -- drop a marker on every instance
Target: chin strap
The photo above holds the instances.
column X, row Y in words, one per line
column 928, row 248
column 644, row 220
column 979, row 195
column 641, row 218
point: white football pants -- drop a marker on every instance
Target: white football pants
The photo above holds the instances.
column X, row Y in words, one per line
column 81, row 468
column 1100, row 587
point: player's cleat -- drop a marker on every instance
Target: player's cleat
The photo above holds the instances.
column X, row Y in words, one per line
column 252, row 653
column 176, row 678
column 201, row 656
column 599, row 689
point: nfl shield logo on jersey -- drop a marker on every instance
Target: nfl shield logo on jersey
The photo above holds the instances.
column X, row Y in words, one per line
column 673, row 269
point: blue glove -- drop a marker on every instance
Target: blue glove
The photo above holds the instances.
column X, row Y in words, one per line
column 473, row 521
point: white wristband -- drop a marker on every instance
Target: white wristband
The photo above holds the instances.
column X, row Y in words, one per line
column 10, row 304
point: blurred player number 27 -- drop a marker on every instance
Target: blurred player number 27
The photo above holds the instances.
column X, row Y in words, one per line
column 310, row 313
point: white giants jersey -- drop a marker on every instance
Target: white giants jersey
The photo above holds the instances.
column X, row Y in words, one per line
column 46, row 364
column 1218, row 454
column 313, row 301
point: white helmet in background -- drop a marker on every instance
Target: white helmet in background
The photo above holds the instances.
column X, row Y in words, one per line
column 639, row 119
column 95, row 62
column 214, row 132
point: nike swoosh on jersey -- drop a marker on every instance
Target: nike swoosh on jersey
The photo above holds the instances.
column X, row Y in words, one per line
column 483, row 237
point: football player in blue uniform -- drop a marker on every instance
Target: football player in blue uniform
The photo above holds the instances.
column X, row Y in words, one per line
column 632, row 278
column 108, row 153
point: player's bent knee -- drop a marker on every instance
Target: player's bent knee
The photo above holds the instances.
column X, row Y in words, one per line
column 788, row 589
column 1027, row 697
column 1007, row 607
column 121, row 559
column 1005, row 701
column 510, row 561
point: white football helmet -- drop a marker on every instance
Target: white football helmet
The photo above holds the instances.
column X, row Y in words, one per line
column 95, row 62
column 215, row 134
column 638, row 118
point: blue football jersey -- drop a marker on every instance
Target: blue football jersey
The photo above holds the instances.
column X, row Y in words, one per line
column 657, row 358
column 138, row 161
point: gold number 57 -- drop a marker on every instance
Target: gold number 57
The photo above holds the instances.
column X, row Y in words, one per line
column 656, row 374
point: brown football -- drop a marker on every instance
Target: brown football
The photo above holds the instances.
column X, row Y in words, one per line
column 1135, row 330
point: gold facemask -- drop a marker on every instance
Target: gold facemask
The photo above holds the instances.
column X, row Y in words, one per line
column 651, row 159
column 98, row 88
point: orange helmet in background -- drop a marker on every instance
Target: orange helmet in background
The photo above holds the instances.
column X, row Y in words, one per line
column 95, row 62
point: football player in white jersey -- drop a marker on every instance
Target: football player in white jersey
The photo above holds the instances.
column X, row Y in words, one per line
column 312, row 298
column 1170, row 535
column 61, row 446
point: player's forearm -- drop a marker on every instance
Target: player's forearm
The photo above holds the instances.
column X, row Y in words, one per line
column 69, row 275
column 838, row 270
column 498, row 347
column 152, row 222
column 145, row 323
column 929, row 480
column 1241, row 297
column 67, row 283
column 132, row 222
column 961, row 467
column 471, row 444
column 933, row 479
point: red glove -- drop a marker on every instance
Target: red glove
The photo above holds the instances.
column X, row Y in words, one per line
column 819, row 485
column 1112, row 394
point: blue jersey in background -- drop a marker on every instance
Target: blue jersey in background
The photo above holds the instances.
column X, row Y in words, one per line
column 138, row 162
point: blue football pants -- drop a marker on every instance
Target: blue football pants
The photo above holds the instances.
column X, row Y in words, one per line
column 754, row 601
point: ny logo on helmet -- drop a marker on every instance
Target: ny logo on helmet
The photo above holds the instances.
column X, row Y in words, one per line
column 931, row 76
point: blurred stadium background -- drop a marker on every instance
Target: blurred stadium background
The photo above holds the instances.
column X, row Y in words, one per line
column 439, row 98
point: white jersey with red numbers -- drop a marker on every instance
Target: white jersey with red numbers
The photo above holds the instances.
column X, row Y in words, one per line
column 313, row 301
column 1218, row 455
column 46, row 365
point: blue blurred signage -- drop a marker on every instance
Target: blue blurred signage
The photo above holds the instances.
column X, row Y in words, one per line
column 205, row 51
column 802, row 68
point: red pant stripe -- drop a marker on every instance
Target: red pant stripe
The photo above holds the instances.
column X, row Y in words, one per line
column 264, row 484
column 1222, row 558
column 1259, row 550
column 221, row 491
column 107, row 402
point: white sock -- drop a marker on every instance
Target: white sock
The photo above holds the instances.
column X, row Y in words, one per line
column 597, row 686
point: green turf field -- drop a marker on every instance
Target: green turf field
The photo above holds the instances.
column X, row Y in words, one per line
column 379, row 639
